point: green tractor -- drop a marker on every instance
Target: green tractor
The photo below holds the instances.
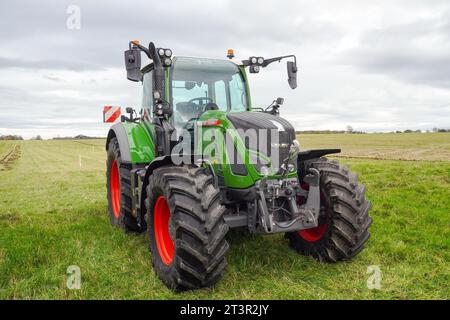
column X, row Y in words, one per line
column 199, row 160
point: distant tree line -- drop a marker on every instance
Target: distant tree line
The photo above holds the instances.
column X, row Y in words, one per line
column 10, row 137
column 328, row 132
column 440, row 130
column 420, row 131
column 78, row 137
column 349, row 130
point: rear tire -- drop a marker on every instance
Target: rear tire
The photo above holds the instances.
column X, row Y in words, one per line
column 186, row 227
column 343, row 230
column 118, row 186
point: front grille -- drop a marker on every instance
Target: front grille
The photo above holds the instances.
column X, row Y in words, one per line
column 281, row 150
column 274, row 134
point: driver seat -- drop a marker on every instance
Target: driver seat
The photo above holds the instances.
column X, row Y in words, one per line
column 211, row 106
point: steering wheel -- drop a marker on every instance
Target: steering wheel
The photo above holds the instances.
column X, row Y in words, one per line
column 201, row 99
column 202, row 103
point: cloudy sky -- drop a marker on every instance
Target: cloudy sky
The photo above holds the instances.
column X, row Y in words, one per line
column 377, row 66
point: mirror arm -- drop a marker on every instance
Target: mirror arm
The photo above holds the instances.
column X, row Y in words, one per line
column 269, row 61
column 246, row 63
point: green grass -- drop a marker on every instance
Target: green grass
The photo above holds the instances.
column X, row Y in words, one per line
column 5, row 146
column 53, row 214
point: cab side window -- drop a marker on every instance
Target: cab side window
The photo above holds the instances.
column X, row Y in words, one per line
column 237, row 93
column 147, row 95
column 220, row 94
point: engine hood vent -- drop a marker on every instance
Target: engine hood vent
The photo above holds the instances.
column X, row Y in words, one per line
column 243, row 121
column 260, row 120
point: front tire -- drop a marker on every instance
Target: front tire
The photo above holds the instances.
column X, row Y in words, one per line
column 344, row 221
column 186, row 227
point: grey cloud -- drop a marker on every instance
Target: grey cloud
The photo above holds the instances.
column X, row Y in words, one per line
column 417, row 52
column 11, row 123
column 38, row 48
column 53, row 78
column 72, row 65
column 188, row 27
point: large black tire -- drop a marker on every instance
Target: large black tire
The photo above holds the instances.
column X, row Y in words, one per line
column 195, row 224
column 343, row 229
column 118, row 186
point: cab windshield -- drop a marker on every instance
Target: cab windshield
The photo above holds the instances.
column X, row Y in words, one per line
column 201, row 84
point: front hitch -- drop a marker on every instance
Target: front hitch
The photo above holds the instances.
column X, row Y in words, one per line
column 303, row 216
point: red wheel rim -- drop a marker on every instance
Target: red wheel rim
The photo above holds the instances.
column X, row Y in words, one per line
column 164, row 242
column 114, row 186
column 313, row 234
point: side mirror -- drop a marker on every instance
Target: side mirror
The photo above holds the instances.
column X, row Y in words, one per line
column 133, row 64
column 292, row 74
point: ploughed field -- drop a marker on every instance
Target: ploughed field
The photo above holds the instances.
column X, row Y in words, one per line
column 53, row 214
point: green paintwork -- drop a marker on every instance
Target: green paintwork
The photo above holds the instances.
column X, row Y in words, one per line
column 220, row 160
column 222, row 167
column 140, row 140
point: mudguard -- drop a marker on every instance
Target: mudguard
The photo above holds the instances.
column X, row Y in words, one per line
column 136, row 141
column 309, row 155
column 315, row 153
column 119, row 132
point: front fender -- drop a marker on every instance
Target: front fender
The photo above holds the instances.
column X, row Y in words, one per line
column 119, row 132
column 309, row 155
column 135, row 141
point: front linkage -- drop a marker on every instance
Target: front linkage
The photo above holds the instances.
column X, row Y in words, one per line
column 273, row 205
column 303, row 216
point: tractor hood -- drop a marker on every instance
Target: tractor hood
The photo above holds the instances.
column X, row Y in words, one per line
column 266, row 126
column 261, row 120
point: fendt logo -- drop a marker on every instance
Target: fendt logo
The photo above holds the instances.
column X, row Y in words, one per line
column 110, row 113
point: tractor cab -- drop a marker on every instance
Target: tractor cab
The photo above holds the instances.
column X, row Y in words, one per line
column 187, row 98
column 197, row 85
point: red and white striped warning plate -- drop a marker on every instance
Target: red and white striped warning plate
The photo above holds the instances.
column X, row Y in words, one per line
column 110, row 113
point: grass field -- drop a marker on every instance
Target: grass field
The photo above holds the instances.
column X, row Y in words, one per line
column 53, row 214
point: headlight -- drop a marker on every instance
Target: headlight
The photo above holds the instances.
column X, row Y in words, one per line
column 260, row 163
column 264, row 170
column 161, row 51
column 260, row 60
column 167, row 62
column 168, row 53
column 253, row 60
column 156, row 95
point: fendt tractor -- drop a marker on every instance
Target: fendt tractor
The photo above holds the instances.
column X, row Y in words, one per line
column 199, row 159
